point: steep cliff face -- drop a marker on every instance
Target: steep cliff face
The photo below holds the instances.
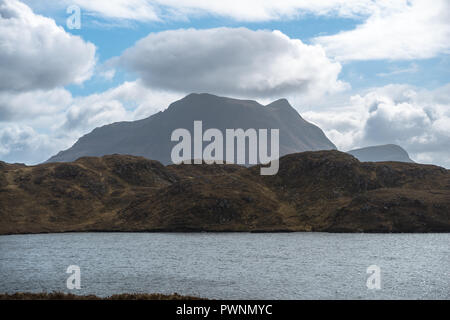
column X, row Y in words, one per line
column 313, row 191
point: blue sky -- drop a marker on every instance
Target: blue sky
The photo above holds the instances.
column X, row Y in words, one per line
column 348, row 66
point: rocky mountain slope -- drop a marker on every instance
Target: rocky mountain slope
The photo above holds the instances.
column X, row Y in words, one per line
column 313, row 191
column 388, row 152
column 150, row 137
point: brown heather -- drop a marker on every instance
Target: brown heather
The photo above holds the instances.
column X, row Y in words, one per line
column 327, row 191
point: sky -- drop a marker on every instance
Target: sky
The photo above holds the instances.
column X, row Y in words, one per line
column 368, row 72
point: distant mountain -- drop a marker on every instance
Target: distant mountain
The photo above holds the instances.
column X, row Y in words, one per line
column 150, row 137
column 313, row 191
column 388, row 152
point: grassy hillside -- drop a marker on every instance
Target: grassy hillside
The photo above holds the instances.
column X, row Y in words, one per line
column 313, row 191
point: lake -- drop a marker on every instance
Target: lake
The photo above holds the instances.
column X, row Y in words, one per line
column 231, row 265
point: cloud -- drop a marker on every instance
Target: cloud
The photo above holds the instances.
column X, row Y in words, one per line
column 248, row 10
column 140, row 10
column 37, row 54
column 108, row 74
column 400, row 30
column 267, row 10
column 37, row 124
column 17, row 106
column 21, row 143
column 413, row 68
column 396, row 30
column 232, row 61
column 416, row 119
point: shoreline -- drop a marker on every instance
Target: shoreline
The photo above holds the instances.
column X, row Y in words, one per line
column 215, row 231
column 70, row 296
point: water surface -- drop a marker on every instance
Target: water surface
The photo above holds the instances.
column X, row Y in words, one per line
column 231, row 265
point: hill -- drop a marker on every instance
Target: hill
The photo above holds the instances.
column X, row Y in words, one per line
column 313, row 191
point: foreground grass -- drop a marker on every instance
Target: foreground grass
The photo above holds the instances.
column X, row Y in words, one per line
column 69, row 296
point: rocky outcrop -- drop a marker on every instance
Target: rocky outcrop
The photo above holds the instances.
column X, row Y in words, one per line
column 313, row 191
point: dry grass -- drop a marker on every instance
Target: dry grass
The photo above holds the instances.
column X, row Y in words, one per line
column 326, row 191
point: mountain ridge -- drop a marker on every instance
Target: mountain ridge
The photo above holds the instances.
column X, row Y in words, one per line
column 325, row 191
column 150, row 137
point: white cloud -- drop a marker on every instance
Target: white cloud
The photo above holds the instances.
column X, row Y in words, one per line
column 17, row 106
column 416, row 119
column 108, row 74
column 401, row 29
column 36, row 125
column 415, row 29
column 232, row 61
column 21, row 143
column 264, row 10
column 140, row 10
column 413, row 68
column 241, row 10
column 37, row 54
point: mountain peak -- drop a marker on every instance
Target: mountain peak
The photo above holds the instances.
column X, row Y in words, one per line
column 282, row 106
column 280, row 103
column 208, row 101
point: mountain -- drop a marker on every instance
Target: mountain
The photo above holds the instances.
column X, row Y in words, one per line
column 150, row 137
column 388, row 152
column 328, row 191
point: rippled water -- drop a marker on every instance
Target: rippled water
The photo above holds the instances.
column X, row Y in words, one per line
column 231, row 265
